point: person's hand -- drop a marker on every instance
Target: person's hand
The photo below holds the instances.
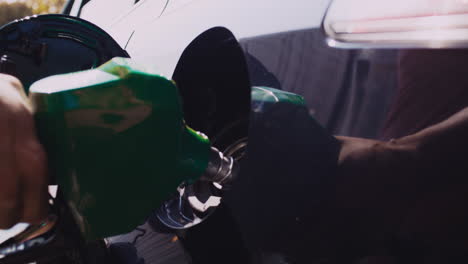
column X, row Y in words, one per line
column 23, row 172
column 391, row 191
column 376, row 179
column 373, row 167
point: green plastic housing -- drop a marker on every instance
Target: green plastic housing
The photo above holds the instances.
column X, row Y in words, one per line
column 117, row 143
column 262, row 96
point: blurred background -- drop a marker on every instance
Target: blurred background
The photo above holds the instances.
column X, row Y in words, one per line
column 14, row 9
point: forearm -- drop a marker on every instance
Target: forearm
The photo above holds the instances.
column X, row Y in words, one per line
column 442, row 145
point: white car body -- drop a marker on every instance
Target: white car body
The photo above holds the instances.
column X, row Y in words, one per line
column 285, row 37
column 150, row 30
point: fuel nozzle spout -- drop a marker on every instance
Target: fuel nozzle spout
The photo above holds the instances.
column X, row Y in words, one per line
column 221, row 169
column 193, row 203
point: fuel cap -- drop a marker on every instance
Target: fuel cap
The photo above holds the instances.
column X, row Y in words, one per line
column 39, row 46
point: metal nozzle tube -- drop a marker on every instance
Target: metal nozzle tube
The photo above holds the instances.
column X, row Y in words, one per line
column 221, row 169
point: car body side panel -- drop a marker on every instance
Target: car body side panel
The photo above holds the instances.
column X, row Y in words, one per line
column 122, row 16
column 341, row 87
column 162, row 40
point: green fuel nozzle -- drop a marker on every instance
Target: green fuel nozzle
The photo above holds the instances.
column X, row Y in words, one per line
column 118, row 145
